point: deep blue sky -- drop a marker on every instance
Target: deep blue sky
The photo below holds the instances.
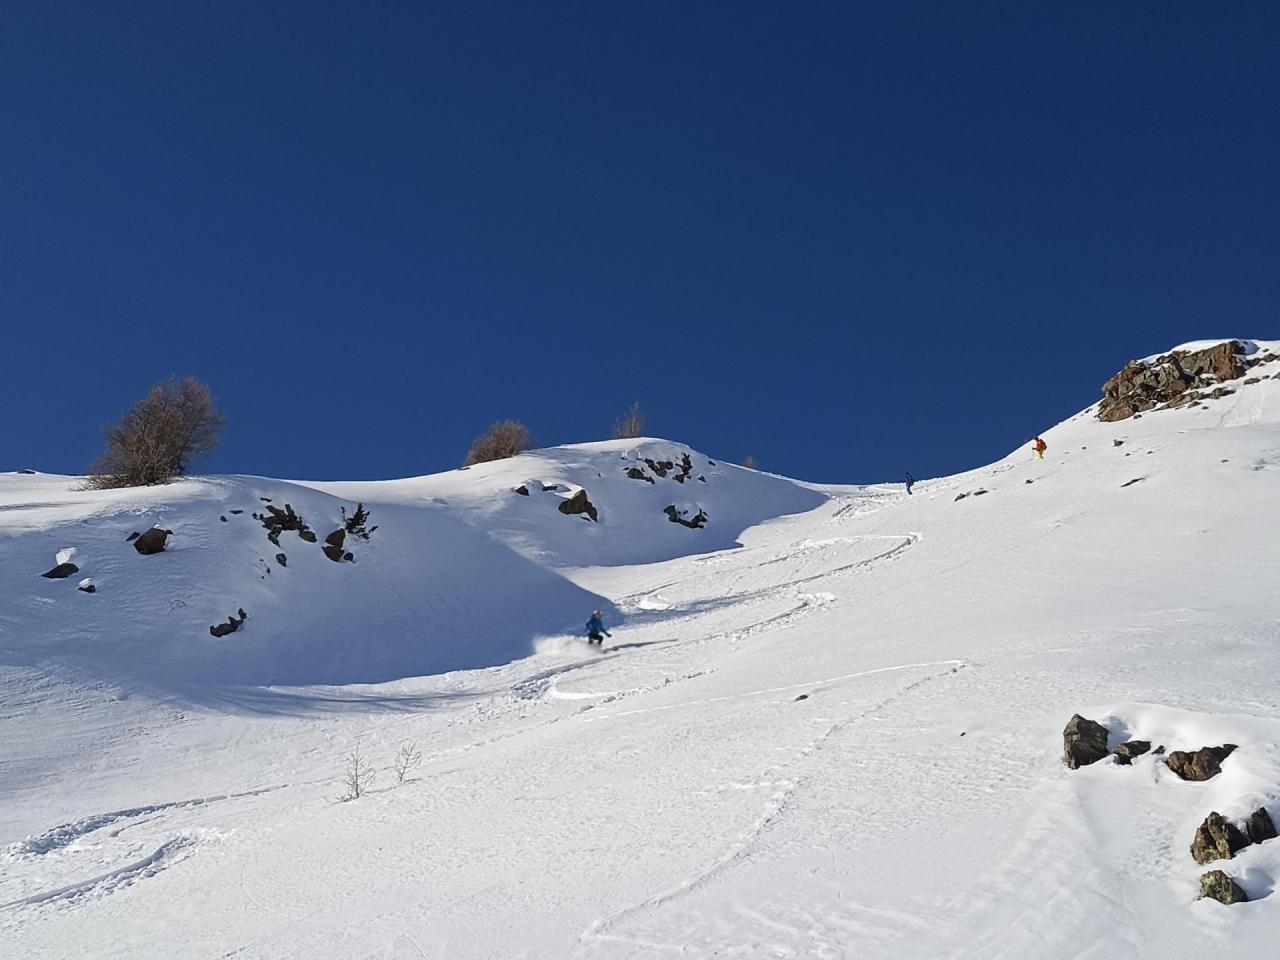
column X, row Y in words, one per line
column 848, row 238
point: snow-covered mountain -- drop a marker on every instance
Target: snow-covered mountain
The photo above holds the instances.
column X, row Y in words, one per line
column 828, row 721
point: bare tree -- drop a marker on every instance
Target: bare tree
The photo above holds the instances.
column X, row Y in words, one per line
column 407, row 761
column 504, row 439
column 630, row 425
column 159, row 436
column 359, row 775
column 750, row 463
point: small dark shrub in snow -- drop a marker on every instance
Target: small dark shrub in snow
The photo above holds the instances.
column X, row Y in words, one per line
column 407, row 761
column 159, row 436
column 750, row 463
column 630, row 425
column 504, row 439
column 357, row 523
column 359, row 776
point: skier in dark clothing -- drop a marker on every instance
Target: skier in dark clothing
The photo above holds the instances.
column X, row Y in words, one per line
column 595, row 627
column 910, row 482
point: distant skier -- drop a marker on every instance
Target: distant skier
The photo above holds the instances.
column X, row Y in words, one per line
column 1039, row 446
column 910, row 483
column 595, row 627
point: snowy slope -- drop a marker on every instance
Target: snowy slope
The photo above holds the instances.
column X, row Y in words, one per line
column 830, row 727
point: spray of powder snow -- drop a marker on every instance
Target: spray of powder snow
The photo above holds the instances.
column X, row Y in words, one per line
column 557, row 644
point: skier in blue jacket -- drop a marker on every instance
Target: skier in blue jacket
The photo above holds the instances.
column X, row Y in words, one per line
column 595, row 627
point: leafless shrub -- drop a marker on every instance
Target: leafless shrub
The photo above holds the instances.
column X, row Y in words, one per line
column 407, row 761
column 504, row 439
column 357, row 523
column 630, row 425
column 159, row 436
column 750, row 463
column 359, row 776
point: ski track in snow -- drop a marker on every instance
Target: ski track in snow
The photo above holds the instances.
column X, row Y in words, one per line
column 164, row 856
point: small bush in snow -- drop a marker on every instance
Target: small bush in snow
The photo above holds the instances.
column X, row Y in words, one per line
column 504, row 439
column 630, row 425
column 407, row 761
column 159, row 436
column 359, row 776
column 357, row 524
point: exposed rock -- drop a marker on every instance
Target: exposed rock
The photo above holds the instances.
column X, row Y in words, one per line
column 132, row 537
column 152, row 541
column 979, row 493
column 282, row 559
column 701, row 478
column 1202, row 764
column 1252, row 380
column 235, row 512
column 697, row 522
column 61, row 571
column 1216, row 885
column 1083, row 742
column 337, row 538
column 660, row 467
column 87, row 586
column 635, row 473
column 579, row 504
column 26, row 471
column 1217, row 839
column 1144, row 386
column 959, row 496
column 522, row 490
column 1029, row 480
column 277, row 521
column 333, row 553
column 1130, row 483
column 231, row 626
column 223, row 518
column 551, row 488
column 1117, row 443
column 1260, row 826
column 686, row 468
column 308, row 535
column 1125, row 753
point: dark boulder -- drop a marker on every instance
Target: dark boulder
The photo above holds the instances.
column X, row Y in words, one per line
column 61, row 571
column 522, row 490
column 337, row 538
column 1083, row 742
column 1216, row 885
column 696, row 522
column 635, row 473
column 308, row 535
column 1217, row 839
column 153, row 541
column 333, row 553
column 1202, row 764
column 231, row 626
column 87, row 588
column 282, row 559
column 1125, row 753
column 579, row 504
column 1260, row 827
column 132, row 537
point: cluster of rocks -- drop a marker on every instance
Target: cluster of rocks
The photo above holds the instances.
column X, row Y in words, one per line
column 980, row 492
column 663, row 467
column 276, row 521
column 231, row 626
column 1178, row 379
column 146, row 543
column 675, row 515
column 1084, row 742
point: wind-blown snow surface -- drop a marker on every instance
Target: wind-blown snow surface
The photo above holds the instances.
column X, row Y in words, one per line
column 827, row 725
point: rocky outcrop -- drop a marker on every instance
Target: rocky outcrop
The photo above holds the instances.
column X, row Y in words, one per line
column 696, row 522
column 1125, row 753
column 282, row 559
column 1083, row 742
column 231, row 626
column 635, row 473
column 86, row 586
column 153, row 541
column 277, row 521
column 1216, row 885
column 522, row 490
column 578, row 504
column 1260, row 827
column 1217, row 839
column 1202, row 764
column 61, row 571
column 1168, row 380
column 333, row 547
column 660, row 467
